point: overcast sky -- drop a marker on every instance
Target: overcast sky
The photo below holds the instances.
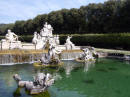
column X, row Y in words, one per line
column 12, row 10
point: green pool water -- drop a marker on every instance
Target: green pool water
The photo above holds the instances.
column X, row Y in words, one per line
column 105, row 78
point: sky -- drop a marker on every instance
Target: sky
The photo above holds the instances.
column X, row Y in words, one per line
column 12, row 10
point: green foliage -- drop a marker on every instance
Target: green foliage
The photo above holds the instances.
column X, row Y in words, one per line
column 108, row 17
column 114, row 41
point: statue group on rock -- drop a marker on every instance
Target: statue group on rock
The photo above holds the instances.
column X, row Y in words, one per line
column 40, row 84
column 51, row 58
column 88, row 55
column 45, row 36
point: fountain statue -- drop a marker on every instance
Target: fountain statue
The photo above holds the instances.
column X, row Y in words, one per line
column 35, row 38
column 11, row 36
column 56, row 38
column 47, row 30
column 69, row 45
column 11, row 41
column 45, row 36
column 51, row 58
column 86, row 56
column 40, row 84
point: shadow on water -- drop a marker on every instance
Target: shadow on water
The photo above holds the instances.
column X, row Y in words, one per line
column 89, row 81
column 102, row 70
column 112, row 68
column 118, row 91
column 105, row 70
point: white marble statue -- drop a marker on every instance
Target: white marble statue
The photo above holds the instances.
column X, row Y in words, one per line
column 35, row 39
column 88, row 55
column 69, row 45
column 52, row 55
column 11, row 41
column 45, row 36
column 40, row 84
column 11, row 36
column 53, row 51
column 47, row 30
column 56, row 38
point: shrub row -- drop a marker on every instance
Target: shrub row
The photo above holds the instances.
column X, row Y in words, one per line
column 113, row 41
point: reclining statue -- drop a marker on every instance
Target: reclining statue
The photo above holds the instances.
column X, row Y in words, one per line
column 11, row 41
column 40, row 84
column 11, row 36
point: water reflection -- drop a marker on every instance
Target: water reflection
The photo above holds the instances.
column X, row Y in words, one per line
column 127, row 62
column 17, row 92
column 8, row 80
column 69, row 66
column 57, row 76
column 88, row 65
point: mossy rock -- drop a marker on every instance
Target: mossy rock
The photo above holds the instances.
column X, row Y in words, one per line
column 38, row 64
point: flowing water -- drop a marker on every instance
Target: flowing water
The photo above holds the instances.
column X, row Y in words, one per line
column 105, row 78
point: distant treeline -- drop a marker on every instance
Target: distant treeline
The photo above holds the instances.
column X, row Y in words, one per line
column 108, row 17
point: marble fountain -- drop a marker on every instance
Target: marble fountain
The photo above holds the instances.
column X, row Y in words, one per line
column 45, row 50
column 44, row 45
